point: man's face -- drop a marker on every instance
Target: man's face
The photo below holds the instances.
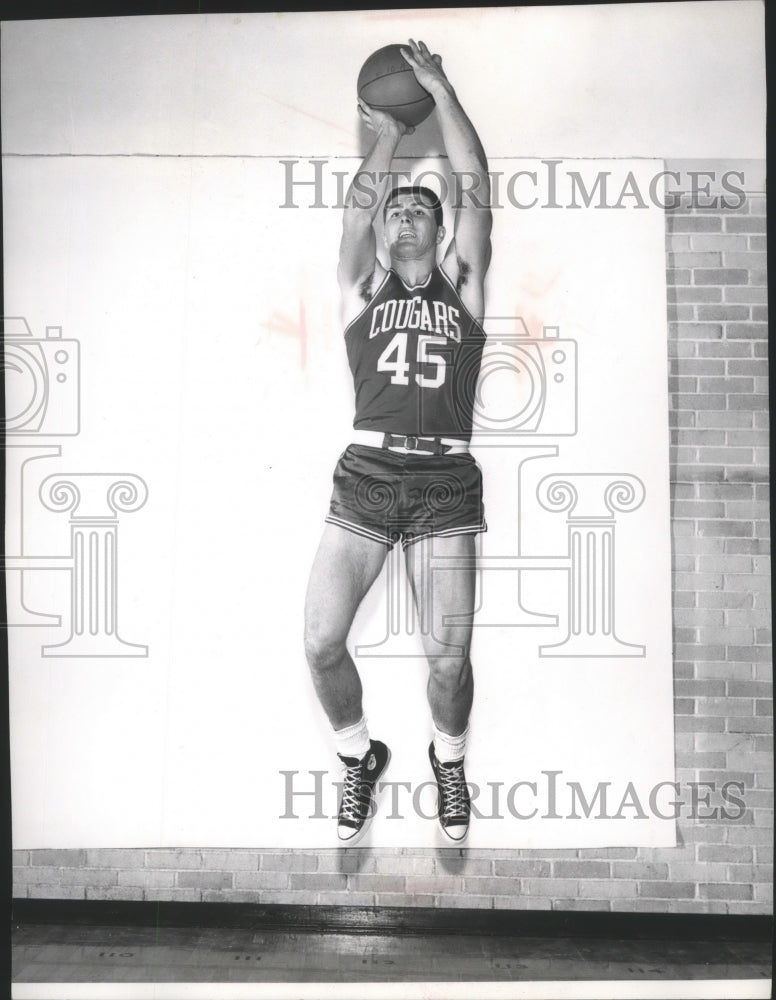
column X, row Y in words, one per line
column 410, row 227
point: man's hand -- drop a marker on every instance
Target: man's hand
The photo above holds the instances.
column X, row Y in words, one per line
column 380, row 121
column 427, row 68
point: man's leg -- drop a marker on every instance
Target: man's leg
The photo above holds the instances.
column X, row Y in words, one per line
column 439, row 595
column 345, row 567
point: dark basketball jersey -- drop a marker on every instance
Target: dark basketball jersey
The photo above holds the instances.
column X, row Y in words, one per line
column 415, row 356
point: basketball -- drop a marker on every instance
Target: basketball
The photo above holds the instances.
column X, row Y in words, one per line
column 386, row 82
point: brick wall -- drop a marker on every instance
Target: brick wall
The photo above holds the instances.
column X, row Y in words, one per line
column 716, row 271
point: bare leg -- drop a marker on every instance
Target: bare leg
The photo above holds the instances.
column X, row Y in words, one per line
column 438, row 594
column 345, row 567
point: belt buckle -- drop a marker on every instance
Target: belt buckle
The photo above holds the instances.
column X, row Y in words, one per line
column 411, row 442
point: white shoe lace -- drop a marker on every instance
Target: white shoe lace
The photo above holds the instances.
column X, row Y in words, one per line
column 452, row 787
column 351, row 805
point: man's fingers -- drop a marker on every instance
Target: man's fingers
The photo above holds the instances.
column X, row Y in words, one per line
column 417, row 51
column 426, row 52
column 364, row 110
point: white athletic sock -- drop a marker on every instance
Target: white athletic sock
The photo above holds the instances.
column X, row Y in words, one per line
column 449, row 748
column 353, row 741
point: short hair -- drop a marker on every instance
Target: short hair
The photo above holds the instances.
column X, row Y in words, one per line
column 417, row 189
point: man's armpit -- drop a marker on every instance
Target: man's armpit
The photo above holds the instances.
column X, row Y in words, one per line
column 365, row 288
column 464, row 270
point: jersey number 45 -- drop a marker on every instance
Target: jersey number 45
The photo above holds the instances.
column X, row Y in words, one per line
column 394, row 360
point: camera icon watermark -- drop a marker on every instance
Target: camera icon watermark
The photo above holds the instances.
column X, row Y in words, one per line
column 43, row 401
column 42, row 381
column 512, row 387
column 527, row 385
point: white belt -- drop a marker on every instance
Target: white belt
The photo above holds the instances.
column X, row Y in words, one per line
column 411, row 444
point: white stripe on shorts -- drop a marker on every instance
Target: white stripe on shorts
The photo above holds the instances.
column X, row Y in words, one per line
column 359, row 530
column 469, row 529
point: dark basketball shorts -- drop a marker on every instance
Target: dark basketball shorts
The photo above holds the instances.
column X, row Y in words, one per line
column 391, row 496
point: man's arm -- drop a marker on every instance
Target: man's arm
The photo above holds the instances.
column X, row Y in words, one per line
column 359, row 270
column 468, row 256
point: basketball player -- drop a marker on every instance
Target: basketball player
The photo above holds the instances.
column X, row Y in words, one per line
column 414, row 345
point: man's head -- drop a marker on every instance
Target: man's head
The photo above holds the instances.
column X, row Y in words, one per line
column 412, row 218
column 423, row 194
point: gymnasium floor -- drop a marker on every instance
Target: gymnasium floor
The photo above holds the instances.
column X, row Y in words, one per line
column 69, row 954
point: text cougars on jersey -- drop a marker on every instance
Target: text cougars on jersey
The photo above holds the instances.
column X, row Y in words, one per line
column 313, row 183
column 415, row 314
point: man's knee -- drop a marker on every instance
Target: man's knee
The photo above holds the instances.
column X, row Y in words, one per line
column 324, row 648
column 453, row 672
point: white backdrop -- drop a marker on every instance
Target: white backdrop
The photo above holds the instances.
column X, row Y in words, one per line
column 212, row 368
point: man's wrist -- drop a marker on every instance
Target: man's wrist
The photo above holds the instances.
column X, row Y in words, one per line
column 391, row 130
column 442, row 90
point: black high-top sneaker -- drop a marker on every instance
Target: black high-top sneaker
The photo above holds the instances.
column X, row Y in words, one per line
column 454, row 803
column 357, row 804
